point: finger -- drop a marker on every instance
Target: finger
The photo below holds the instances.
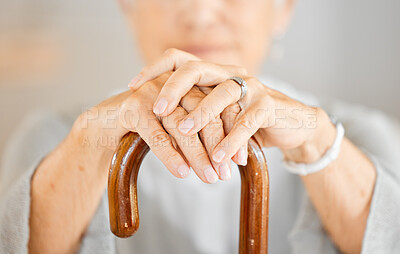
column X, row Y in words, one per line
column 210, row 107
column 211, row 134
column 152, row 132
column 246, row 125
column 171, row 60
column 177, row 148
column 190, row 74
column 240, row 156
column 228, row 116
column 191, row 147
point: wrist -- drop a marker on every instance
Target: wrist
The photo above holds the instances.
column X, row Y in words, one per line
column 316, row 145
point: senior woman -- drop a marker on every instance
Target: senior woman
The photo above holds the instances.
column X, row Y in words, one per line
column 343, row 197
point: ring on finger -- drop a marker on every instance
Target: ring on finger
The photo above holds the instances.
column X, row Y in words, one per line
column 242, row 84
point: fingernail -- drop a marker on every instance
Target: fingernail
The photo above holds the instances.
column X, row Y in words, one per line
column 183, row 171
column 210, row 175
column 224, row 171
column 134, row 81
column 242, row 156
column 186, row 125
column 160, row 106
column 219, row 155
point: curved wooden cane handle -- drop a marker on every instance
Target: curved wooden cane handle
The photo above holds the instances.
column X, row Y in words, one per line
column 254, row 208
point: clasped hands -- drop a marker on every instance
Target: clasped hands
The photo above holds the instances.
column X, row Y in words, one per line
column 187, row 111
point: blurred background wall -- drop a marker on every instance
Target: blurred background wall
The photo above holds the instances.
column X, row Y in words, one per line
column 56, row 54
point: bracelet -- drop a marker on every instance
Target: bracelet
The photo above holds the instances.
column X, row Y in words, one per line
column 327, row 158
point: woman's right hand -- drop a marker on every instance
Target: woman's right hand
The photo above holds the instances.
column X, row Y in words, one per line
column 69, row 182
column 102, row 127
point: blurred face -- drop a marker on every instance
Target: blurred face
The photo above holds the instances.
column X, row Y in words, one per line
column 222, row 31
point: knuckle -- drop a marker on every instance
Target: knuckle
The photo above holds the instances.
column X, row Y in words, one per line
column 209, row 113
column 159, row 139
column 172, row 51
column 198, row 157
column 154, row 87
column 242, row 71
column 233, row 109
column 192, row 98
column 128, row 116
column 230, row 114
column 170, row 157
column 191, row 66
column 251, row 80
column 172, row 85
column 134, row 101
column 171, row 121
column 194, row 63
column 247, row 122
column 215, row 124
column 131, row 104
column 146, row 93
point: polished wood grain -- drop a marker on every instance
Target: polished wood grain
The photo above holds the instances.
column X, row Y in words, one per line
column 254, row 210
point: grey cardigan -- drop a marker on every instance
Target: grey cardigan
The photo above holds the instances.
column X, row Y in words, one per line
column 372, row 131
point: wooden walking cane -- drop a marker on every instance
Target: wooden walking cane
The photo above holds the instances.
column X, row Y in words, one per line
column 254, row 210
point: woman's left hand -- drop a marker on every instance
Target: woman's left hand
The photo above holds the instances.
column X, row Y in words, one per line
column 274, row 118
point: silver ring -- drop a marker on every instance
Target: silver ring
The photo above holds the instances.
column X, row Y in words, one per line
column 242, row 84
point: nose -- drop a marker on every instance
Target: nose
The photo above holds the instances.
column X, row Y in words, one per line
column 200, row 14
